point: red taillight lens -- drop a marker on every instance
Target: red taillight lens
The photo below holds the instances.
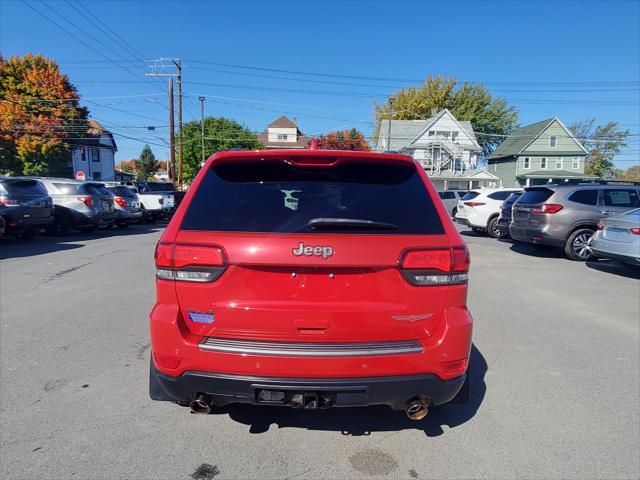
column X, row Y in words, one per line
column 189, row 263
column 547, row 209
column 88, row 201
column 634, row 231
column 600, row 226
column 445, row 266
column 439, row 259
column 120, row 201
column 8, row 202
column 455, row 367
column 474, row 204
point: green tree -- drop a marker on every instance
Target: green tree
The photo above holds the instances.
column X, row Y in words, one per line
column 344, row 140
column 491, row 117
column 603, row 142
column 39, row 111
column 220, row 134
column 146, row 164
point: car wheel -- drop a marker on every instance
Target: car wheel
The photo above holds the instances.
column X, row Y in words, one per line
column 61, row 225
column 578, row 246
column 453, row 212
column 87, row 229
column 492, row 228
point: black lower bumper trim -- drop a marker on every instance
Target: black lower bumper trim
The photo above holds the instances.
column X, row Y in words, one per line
column 342, row 392
column 616, row 256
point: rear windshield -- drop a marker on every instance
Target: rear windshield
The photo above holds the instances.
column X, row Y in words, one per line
column 70, row 188
column 97, row 189
column 470, row 195
column 122, row 191
column 536, row 195
column 278, row 197
column 513, row 197
column 157, row 187
column 22, row 187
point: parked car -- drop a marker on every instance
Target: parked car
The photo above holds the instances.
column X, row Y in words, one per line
column 479, row 209
column 349, row 299
column 127, row 205
column 567, row 215
column 2, row 226
column 82, row 205
column 504, row 220
column 450, row 199
column 25, row 206
column 618, row 238
column 157, row 198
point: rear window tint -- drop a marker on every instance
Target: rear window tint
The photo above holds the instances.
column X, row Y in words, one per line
column 513, row 197
column 470, row 195
column 534, row 196
column 97, row 189
column 22, row 187
column 70, row 188
column 277, row 197
column 499, row 195
column 621, row 198
column 447, row 195
column 124, row 191
column 585, row 197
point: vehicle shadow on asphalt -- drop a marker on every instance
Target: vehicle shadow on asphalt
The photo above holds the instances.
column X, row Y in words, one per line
column 614, row 268
column 540, row 251
column 11, row 247
column 364, row 420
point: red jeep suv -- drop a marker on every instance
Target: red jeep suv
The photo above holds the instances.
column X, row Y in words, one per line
column 311, row 279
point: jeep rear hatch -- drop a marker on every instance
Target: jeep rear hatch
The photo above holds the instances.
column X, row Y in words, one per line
column 309, row 250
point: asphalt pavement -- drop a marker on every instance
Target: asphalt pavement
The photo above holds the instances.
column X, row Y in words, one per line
column 555, row 379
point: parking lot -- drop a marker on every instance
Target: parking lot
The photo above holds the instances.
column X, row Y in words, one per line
column 554, row 368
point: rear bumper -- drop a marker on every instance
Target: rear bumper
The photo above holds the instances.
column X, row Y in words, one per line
column 129, row 217
column 616, row 256
column 338, row 392
column 92, row 218
column 534, row 235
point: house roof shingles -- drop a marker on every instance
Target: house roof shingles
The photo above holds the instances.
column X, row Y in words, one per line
column 282, row 122
column 519, row 139
column 93, row 136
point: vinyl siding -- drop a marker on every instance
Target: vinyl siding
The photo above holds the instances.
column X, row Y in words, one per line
column 564, row 143
column 535, row 163
column 505, row 170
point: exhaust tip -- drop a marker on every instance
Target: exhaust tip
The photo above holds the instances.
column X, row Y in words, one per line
column 416, row 409
column 202, row 404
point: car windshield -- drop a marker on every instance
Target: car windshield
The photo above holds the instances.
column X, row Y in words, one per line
column 513, row 197
column 159, row 187
column 535, row 195
column 277, row 197
column 470, row 195
column 70, row 188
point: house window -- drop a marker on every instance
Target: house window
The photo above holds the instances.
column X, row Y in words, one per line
column 553, row 140
column 527, row 163
column 454, row 136
column 95, row 154
column 559, row 161
column 83, row 156
column 97, row 176
column 543, row 163
column 282, row 136
column 575, row 163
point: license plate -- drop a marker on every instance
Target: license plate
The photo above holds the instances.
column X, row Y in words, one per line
column 615, row 234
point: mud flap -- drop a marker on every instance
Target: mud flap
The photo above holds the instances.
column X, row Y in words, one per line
column 464, row 394
column 156, row 392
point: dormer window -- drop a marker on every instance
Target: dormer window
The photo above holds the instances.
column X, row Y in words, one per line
column 553, row 140
column 283, row 137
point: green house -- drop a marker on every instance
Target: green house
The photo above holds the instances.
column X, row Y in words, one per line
column 543, row 152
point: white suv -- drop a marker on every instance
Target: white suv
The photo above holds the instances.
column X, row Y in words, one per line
column 479, row 209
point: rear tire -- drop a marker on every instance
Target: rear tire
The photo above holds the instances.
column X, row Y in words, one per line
column 453, row 212
column 492, row 228
column 578, row 246
column 61, row 225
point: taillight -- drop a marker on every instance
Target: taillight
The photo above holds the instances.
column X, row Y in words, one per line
column 600, row 226
column 88, row 201
column 474, row 204
column 547, row 209
column 120, row 201
column 439, row 266
column 8, row 202
column 189, row 263
column 634, row 231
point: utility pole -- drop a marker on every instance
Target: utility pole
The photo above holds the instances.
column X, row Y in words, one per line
column 159, row 63
column 172, row 140
column 202, row 99
column 389, row 132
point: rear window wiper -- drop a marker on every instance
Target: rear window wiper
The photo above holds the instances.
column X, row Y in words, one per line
column 318, row 223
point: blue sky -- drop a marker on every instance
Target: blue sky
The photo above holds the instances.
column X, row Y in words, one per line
column 549, row 58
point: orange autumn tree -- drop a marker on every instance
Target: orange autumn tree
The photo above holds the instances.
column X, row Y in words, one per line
column 39, row 113
column 344, row 140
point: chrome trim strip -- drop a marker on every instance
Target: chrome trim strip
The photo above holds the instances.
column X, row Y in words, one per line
column 311, row 349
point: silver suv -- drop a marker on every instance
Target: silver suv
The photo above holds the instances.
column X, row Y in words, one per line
column 567, row 215
column 83, row 205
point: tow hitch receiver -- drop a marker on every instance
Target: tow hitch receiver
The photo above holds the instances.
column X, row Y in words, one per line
column 306, row 400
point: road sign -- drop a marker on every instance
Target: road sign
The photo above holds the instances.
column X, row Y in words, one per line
column 81, row 176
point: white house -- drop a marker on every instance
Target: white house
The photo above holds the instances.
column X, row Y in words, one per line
column 283, row 133
column 95, row 154
column 446, row 148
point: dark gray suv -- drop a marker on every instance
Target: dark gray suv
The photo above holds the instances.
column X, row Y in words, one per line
column 567, row 215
